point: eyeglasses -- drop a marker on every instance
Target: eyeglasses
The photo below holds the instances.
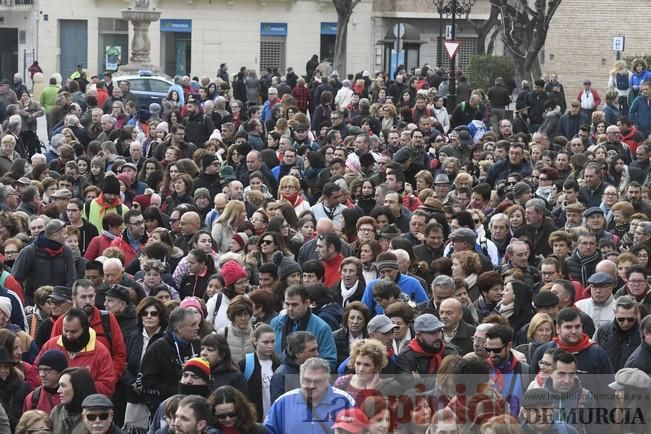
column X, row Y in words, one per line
column 151, row 313
column 496, row 350
column 623, row 320
column 46, row 371
column 365, row 230
column 223, row 416
column 92, row 417
column 267, row 242
column 138, row 223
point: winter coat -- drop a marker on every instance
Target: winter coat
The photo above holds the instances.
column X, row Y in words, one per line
column 564, row 404
column 619, row 344
column 97, row 246
column 38, row 266
column 285, row 377
column 580, row 269
column 314, row 325
column 12, row 394
column 410, row 361
column 254, row 383
column 122, row 243
column 538, row 237
column 641, row 358
column 331, row 313
column 93, row 356
column 134, row 343
column 223, row 375
column 238, row 340
column 162, row 365
column 64, row 422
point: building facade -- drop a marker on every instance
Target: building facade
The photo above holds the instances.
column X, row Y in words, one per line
column 196, row 36
column 19, row 25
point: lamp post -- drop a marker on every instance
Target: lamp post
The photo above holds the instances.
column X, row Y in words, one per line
column 452, row 9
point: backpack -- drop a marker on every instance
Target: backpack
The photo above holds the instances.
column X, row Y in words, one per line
column 106, row 325
column 218, row 304
column 36, row 394
column 249, row 366
column 621, row 81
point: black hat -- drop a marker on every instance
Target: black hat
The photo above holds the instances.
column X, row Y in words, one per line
column 244, row 148
column 118, row 291
column 54, row 359
column 300, row 127
column 537, row 398
column 111, row 185
column 208, row 159
column 402, row 155
column 61, row 293
column 97, row 400
column 545, row 299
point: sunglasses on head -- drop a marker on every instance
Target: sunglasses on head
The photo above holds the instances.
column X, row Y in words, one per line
column 92, row 417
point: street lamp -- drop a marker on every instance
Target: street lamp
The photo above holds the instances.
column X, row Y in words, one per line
column 453, row 9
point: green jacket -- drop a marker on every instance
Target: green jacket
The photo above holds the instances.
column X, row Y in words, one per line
column 49, row 97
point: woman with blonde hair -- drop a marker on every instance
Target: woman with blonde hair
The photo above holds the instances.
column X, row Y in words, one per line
column 226, row 225
column 539, row 332
column 467, row 266
column 289, row 189
column 34, row 422
column 367, row 358
column 620, row 81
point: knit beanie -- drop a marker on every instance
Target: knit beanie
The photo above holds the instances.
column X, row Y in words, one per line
column 286, row 265
column 232, row 271
column 241, row 239
column 126, row 180
column 111, row 185
column 198, row 366
column 54, row 359
column 191, row 302
column 5, row 306
column 163, row 126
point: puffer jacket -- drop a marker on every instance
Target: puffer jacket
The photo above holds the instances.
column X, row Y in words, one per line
column 238, row 340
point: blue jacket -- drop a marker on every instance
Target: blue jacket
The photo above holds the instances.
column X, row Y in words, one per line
column 408, row 285
column 640, row 114
column 638, row 77
column 285, row 377
column 316, row 326
column 290, row 413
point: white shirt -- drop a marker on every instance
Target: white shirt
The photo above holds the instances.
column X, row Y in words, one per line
column 267, row 373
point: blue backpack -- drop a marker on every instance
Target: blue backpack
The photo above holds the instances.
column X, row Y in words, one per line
column 249, row 366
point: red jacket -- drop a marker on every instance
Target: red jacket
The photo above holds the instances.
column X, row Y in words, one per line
column 97, row 246
column 12, row 284
column 102, row 96
column 46, row 401
column 31, row 374
column 116, row 347
column 331, row 270
column 94, row 356
column 124, row 245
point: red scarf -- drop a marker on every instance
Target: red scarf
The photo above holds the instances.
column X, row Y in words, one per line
column 295, row 199
column 435, row 360
column 107, row 205
column 498, row 374
column 583, row 344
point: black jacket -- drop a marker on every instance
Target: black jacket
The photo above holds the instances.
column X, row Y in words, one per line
column 285, row 378
column 222, row 375
column 211, row 182
column 127, row 320
column 161, row 368
column 198, row 128
column 619, row 344
column 539, row 237
column 12, row 394
column 254, row 384
column 409, row 361
column 134, row 343
column 641, row 358
column 463, row 338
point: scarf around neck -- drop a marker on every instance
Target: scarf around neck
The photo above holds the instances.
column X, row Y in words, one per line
column 301, row 325
column 295, row 199
column 110, row 235
column 51, row 247
column 583, row 344
column 435, row 358
column 347, row 293
column 104, row 205
column 500, row 370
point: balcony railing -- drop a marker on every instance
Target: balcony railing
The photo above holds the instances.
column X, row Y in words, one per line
column 16, row 4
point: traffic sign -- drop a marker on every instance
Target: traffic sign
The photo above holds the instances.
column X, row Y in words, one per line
column 618, row 43
column 452, row 47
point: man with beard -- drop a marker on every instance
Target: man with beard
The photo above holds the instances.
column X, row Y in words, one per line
column 422, row 356
column 590, row 358
column 315, row 400
column 82, row 349
column 634, row 196
column 209, row 176
column 105, row 326
column 164, row 359
column 509, row 375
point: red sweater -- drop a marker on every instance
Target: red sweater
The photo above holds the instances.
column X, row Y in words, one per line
column 331, row 270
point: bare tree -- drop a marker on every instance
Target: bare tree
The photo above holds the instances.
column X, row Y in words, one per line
column 344, row 12
column 525, row 24
column 487, row 30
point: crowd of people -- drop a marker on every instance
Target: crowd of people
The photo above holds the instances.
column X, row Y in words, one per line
column 324, row 254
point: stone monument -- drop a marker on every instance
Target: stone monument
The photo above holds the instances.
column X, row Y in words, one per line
column 141, row 16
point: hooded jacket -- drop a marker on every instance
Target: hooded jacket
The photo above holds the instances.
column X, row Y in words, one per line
column 93, row 356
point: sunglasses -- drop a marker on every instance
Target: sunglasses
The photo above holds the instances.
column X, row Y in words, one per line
column 622, row 320
column 494, row 350
column 92, row 417
column 267, row 242
column 223, row 416
column 153, row 313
